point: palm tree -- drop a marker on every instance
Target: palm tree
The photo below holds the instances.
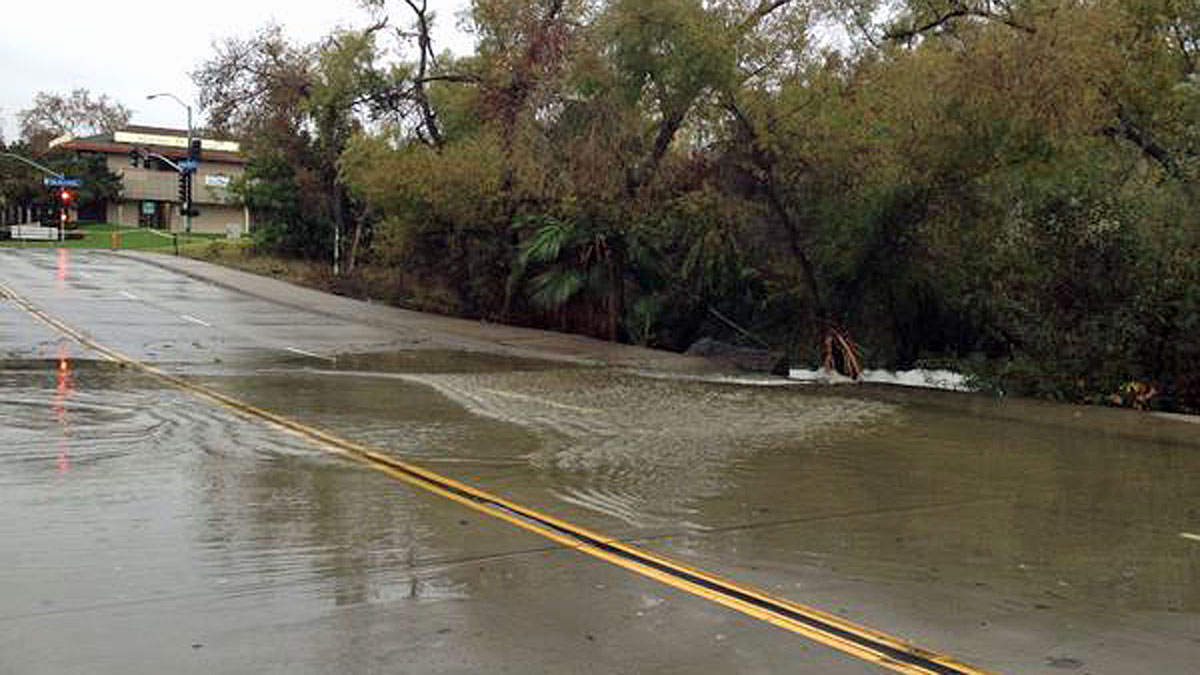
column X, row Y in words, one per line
column 564, row 264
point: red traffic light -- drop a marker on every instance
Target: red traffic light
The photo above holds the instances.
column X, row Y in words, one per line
column 65, row 196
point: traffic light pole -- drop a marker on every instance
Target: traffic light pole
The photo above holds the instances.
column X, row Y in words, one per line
column 188, row 206
column 64, row 216
column 144, row 153
column 185, row 171
column 188, row 216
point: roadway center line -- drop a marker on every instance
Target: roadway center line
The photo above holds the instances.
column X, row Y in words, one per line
column 1189, row 535
column 858, row 641
column 201, row 322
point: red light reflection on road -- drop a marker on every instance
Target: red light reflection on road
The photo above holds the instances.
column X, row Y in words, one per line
column 63, row 390
column 64, row 264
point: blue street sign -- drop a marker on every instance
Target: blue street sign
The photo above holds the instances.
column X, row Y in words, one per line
column 63, row 182
column 189, row 164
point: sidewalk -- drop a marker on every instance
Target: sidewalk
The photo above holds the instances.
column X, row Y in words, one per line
column 435, row 330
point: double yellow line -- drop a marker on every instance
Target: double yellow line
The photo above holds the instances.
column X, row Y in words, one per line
column 863, row 643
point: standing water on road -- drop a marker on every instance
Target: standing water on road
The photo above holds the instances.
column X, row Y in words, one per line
column 147, row 530
column 1043, row 523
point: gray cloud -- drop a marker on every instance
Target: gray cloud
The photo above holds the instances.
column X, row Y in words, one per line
column 131, row 48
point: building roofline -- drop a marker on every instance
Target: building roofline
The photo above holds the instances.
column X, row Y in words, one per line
column 161, row 131
column 111, row 147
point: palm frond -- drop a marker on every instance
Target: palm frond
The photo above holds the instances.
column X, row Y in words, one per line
column 555, row 287
column 547, row 242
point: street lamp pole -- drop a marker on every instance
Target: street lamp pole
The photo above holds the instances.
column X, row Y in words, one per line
column 187, row 207
column 32, row 163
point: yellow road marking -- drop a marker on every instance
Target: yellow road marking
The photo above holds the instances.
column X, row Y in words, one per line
column 858, row 641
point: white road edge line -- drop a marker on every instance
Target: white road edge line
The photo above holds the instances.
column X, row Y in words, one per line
column 301, row 352
column 129, row 295
column 1189, row 535
column 202, row 322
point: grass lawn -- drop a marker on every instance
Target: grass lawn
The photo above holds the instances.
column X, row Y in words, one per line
column 100, row 236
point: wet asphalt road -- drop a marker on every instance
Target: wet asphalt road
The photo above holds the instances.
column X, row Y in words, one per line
column 147, row 531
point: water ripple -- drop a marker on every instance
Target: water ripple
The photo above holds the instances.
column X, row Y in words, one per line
column 64, row 415
column 646, row 450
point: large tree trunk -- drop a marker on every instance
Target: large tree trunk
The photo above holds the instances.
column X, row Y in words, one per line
column 355, row 243
column 616, row 291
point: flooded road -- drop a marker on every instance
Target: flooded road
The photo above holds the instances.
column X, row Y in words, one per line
column 146, row 530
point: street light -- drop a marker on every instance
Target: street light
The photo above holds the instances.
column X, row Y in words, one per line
column 187, row 207
column 32, row 163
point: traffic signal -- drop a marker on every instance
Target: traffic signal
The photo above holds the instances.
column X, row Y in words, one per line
column 65, row 197
column 135, row 158
column 185, row 189
column 194, row 150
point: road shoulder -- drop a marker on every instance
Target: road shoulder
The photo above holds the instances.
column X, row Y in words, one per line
column 435, row 330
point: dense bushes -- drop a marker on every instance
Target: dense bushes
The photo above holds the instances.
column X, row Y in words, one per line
column 1012, row 189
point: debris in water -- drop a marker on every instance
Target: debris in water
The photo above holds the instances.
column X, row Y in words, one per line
column 925, row 379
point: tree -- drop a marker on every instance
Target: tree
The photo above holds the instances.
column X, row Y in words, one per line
column 1011, row 184
column 254, row 86
column 295, row 106
column 78, row 113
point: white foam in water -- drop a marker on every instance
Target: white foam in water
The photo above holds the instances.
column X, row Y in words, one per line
column 922, row 378
column 743, row 380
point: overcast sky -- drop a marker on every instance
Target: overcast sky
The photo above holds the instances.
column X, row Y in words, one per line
column 130, row 48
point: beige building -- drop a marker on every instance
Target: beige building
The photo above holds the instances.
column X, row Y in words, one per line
column 150, row 194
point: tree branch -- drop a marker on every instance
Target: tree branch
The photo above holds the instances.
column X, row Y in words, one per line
column 457, row 78
column 425, row 44
column 764, row 9
column 959, row 11
column 1130, row 131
